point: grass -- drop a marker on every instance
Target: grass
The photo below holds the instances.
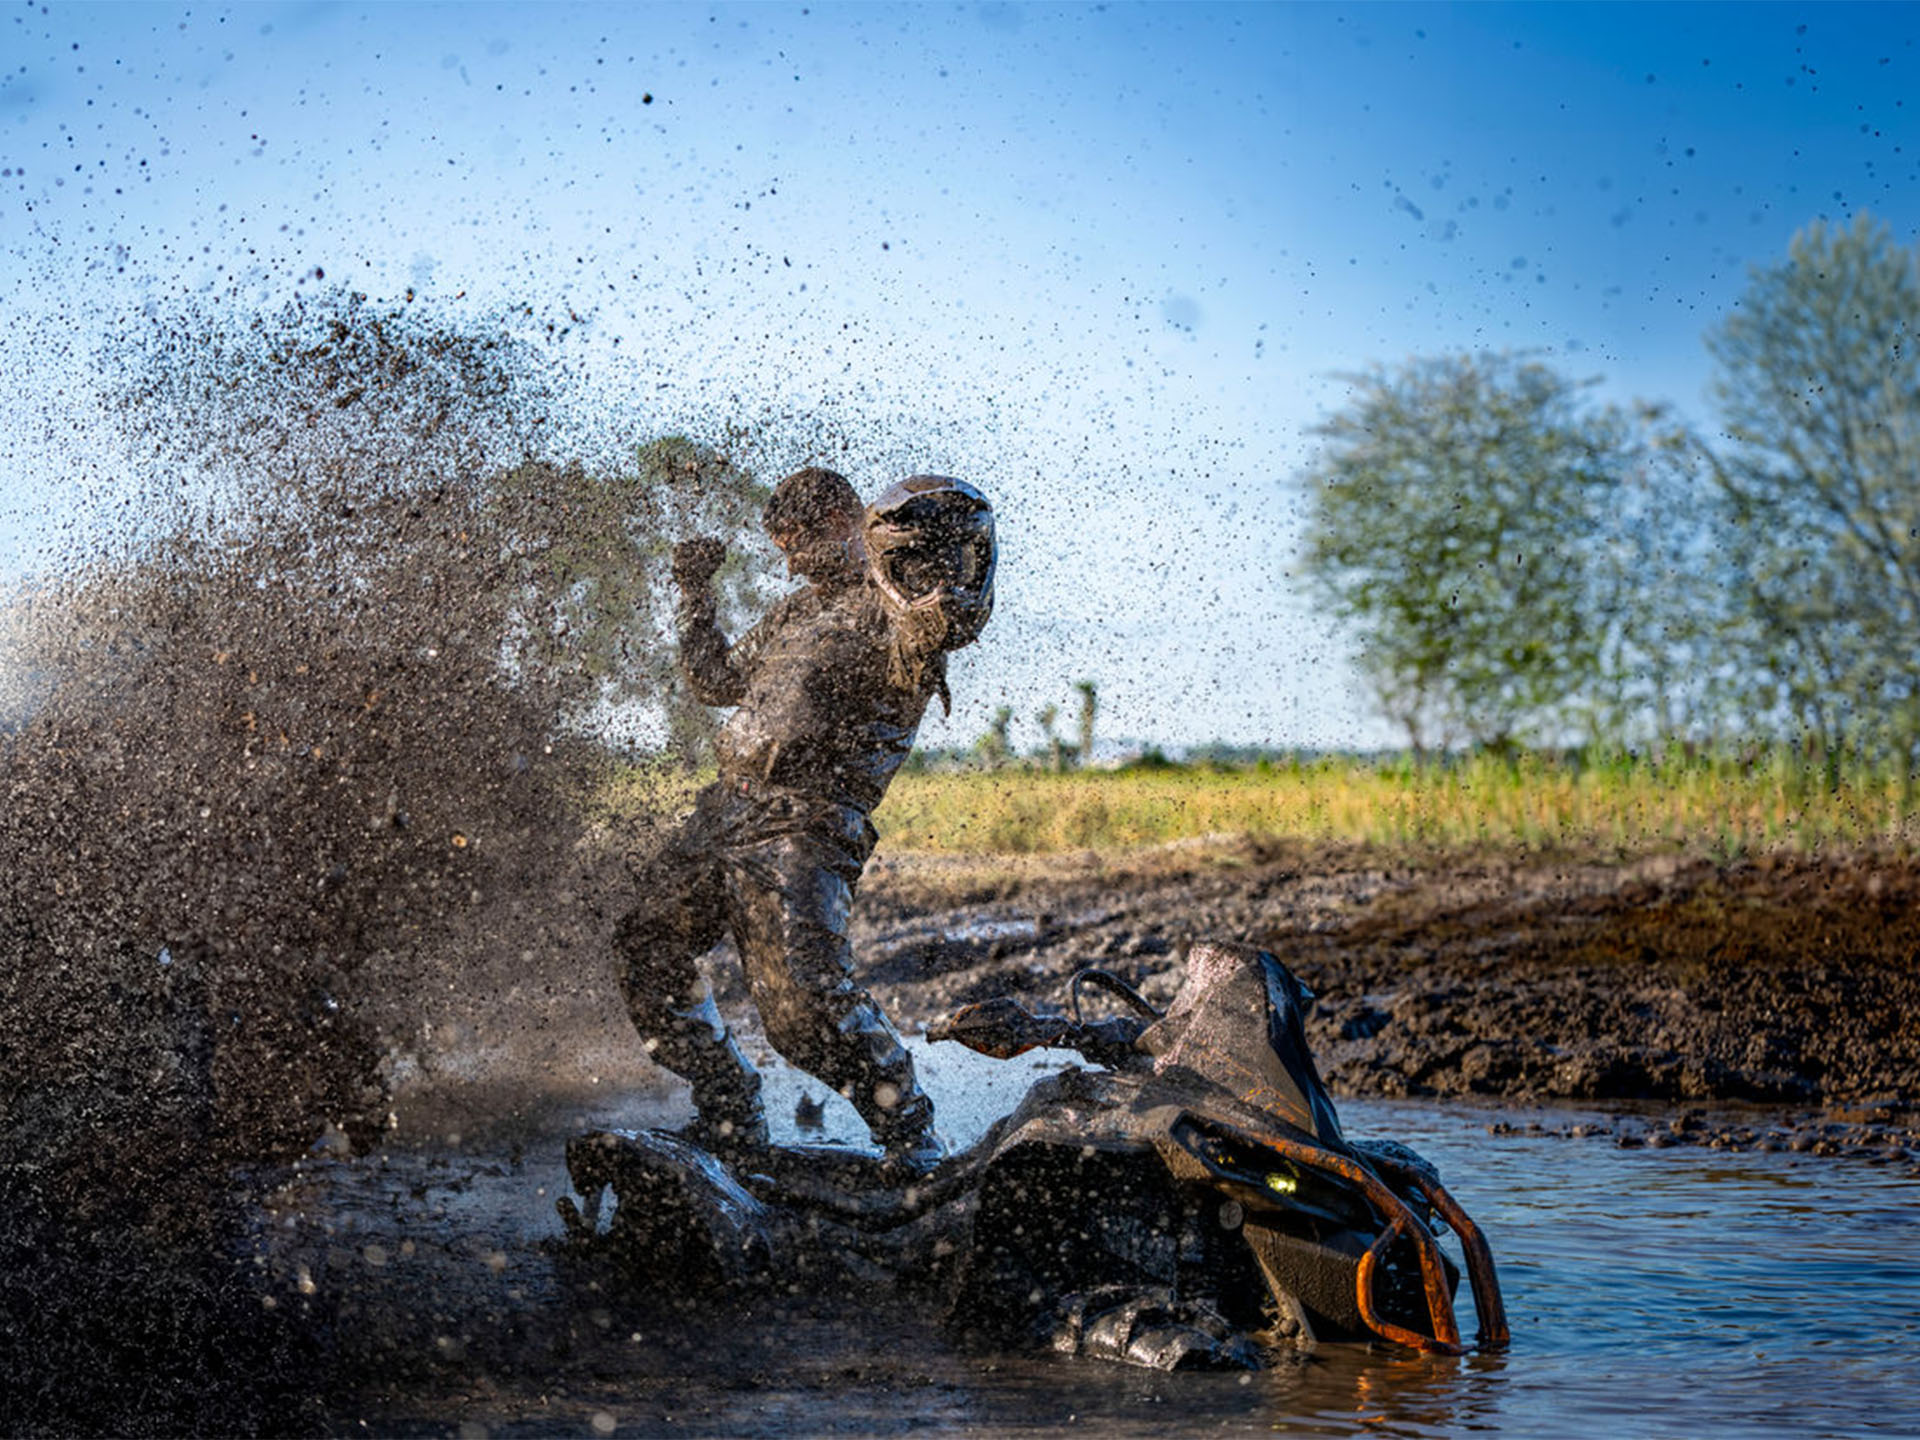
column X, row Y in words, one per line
column 1721, row 804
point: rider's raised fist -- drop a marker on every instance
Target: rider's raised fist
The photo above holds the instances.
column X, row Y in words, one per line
column 694, row 561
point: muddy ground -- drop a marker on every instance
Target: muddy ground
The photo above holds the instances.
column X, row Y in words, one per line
column 419, row 1287
column 1786, row 980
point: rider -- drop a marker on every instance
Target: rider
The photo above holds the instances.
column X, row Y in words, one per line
column 830, row 690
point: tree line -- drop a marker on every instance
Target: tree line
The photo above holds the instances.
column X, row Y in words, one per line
column 1524, row 564
column 994, row 750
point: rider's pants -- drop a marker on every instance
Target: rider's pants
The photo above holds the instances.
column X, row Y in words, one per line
column 777, row 870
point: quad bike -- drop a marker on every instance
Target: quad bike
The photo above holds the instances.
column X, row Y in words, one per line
column 1189, row 1201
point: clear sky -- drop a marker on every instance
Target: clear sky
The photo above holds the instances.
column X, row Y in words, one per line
column 1106, row 261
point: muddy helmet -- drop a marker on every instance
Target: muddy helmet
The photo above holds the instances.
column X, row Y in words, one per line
column 931, row 552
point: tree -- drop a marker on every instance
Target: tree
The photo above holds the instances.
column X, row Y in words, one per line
column 1089, row 703
column 993, row 748
column 586, row 557
column 1656, row 603
column 1056, row 757
column 338, row 437
column 1461, row 518
column 1818, row 391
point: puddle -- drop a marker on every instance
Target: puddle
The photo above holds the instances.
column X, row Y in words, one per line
column 1672, row 1292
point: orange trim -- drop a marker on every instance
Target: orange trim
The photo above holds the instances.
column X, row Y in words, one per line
column 1445, row 1339
column 1487, row 1302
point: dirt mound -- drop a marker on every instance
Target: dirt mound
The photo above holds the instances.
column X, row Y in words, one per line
column 1778, row 979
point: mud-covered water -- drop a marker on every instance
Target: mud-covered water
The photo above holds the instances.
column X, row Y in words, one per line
column 1652, row 1292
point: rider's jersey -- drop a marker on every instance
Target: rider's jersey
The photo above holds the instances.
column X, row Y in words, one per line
column 822, row 708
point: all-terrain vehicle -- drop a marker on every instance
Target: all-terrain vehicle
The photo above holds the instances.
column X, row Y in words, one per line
column 1186, row 1200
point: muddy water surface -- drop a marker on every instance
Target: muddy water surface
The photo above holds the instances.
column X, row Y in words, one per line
column 1652, row 1292
column 1669, row 1293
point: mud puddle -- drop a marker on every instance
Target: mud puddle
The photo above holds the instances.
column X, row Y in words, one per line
column 1687, row 1292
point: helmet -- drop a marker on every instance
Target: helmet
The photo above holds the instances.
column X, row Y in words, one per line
column 931, row 552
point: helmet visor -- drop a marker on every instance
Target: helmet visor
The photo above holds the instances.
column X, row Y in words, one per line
column 953, row 563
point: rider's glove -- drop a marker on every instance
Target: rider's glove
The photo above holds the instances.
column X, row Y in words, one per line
column 694, row 561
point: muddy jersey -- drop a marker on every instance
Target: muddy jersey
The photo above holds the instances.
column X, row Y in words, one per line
column 716, row 669
column 819, row 711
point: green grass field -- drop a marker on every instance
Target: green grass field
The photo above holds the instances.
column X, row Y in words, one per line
column 1722, row 805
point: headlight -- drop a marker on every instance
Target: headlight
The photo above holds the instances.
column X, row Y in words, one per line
column 1275, row 1180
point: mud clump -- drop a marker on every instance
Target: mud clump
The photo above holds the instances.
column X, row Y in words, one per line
column 305, row 767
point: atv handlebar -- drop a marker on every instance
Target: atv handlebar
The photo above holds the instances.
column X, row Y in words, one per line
column 1003, row 1028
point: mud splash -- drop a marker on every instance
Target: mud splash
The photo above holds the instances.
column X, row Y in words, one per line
column 298, row 772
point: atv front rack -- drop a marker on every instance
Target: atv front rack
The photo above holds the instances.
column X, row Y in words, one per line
column 1489, row 1309
column 1402, row 1220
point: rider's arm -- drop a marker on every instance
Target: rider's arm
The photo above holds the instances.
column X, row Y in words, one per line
column 1107, row 1042
column 718, row 672
column 712, row 666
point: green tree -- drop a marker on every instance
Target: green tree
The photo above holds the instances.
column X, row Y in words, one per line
column 1655, row 603
column 1818, row 391
column 339, row 437
column 1461, row 517
column 586, row 557
column 1056, row 751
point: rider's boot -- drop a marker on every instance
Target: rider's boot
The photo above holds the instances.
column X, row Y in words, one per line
column 886, row 1092
column 698, row 1046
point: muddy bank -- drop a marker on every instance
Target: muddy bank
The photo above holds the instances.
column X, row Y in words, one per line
column 1779, row 981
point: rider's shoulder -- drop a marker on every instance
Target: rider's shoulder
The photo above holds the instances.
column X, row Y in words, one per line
column 799, row 607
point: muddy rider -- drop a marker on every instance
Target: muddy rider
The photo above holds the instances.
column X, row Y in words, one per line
column 829, row 689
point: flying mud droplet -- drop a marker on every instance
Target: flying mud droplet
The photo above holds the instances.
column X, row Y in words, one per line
column 357, row 608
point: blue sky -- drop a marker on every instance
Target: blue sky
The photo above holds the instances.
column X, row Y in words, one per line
column 1107, row 261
